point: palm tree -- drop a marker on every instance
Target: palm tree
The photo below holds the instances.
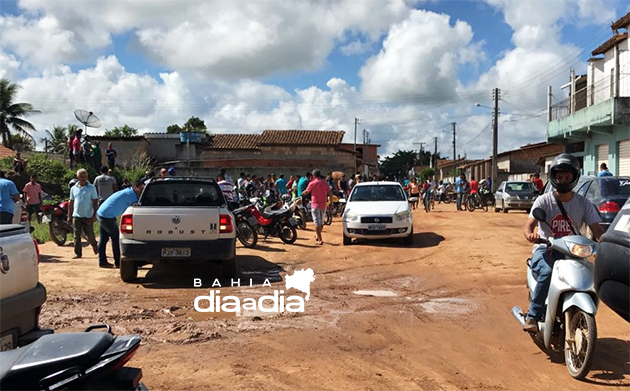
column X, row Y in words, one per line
column 57, row 140
column 11, row 113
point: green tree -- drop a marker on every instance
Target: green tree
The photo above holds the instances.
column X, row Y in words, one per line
column 57, row 140
column 426, row 173
column 195, row 124
column 11, row 113
column 22, row 143
column 174, row 129
column 124, row 131
column 397, row 165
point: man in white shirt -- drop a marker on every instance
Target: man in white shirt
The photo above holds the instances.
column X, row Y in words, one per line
column 105, row 185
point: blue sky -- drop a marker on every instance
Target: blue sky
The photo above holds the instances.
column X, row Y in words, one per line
column 249, row 66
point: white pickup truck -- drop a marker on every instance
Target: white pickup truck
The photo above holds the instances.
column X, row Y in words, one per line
column 178, row 220
column 21, row 293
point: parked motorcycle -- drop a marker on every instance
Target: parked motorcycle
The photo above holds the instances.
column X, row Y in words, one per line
column 56, row 216
column 76, row 361
column 277, row 222
column 569, row 322
column 246, row 227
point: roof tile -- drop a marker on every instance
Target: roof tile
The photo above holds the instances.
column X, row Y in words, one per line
column 302, row 137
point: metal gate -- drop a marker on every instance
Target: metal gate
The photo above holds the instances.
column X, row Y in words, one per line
column 602, row 156
column 624, row 158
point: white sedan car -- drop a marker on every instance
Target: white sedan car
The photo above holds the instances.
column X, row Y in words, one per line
column 377, row 210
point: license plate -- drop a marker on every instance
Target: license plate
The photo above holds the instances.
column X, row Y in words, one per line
column 252, row 221
column 6, row 343
column 178, row 252
column 376, row 227
column 293, row 222
column 45, row 219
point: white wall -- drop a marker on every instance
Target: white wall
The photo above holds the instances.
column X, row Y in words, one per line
column 600, row 71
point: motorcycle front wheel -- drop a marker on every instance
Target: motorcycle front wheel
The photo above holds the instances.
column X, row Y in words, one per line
column 288, row 234
column 58, row 233
column 447, row 199
column 471, row 204
column 579, row 342
column 246, row 234
column 328, row 217
column 302, row 220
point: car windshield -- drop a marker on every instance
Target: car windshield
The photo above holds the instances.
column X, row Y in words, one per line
column 519, row 186
column 181, row 193
column 378, row 193
column 616, row 187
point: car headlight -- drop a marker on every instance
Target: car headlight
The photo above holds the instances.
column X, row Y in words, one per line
column 580, row 250
column 349, row 216
column 400, row 216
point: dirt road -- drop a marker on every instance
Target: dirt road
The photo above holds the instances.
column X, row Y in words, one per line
column 445, row 325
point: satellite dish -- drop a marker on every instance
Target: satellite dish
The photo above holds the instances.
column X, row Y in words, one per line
column 88, row 119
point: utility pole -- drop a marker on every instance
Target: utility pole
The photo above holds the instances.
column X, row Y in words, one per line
column 495, row 138
column 434, row 159
column 356, row 123
column 366, row 137
column 421, row 151
column 453, row 124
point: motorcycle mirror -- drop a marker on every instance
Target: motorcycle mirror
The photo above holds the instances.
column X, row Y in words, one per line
column 539, row 214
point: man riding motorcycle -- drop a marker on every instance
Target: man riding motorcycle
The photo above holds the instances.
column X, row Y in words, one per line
column 563, row 176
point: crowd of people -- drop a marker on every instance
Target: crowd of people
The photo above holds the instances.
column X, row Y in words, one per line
column 86, row 151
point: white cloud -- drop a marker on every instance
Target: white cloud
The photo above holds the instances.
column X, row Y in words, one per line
column 419, row 59
column 9, row 66
column 356, row 48
column 225, row 39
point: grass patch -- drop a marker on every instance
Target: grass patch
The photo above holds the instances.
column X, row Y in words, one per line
column 42, row 235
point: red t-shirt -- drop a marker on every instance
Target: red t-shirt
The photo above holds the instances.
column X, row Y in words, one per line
column 474, row 186
column 539, row 184
column 76, row 145
column 318, row 189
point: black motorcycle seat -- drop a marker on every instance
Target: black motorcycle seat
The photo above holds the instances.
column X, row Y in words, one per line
column 268, row 214
column 51, row 354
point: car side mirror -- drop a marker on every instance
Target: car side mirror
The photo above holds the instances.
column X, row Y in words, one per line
column 539, row 214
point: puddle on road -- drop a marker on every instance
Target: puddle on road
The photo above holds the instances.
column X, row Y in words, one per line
column 376, row 293
column 448, row 306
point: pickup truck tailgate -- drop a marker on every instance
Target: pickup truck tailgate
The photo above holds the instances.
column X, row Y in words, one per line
column 174, row 223
column 19, row 270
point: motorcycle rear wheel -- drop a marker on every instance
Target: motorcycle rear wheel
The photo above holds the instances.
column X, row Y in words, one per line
column 58, row 233
column 579, row 343
column 447, row 199
column 288, row 234
column 246, row 234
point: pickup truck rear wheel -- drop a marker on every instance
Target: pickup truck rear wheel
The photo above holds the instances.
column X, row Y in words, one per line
column 128, row 271
column 229, row 268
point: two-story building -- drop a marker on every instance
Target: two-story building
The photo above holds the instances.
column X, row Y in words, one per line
column 593, row 123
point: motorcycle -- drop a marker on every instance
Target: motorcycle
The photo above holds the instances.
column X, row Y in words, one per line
column 77, row 361
column 569, row 322
column 56, row 216
column 277, row 222
column 476, row 201
column 308, row 216
column 246, row 227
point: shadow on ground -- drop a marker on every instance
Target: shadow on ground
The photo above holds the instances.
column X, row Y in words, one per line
column 172, row 275
column 420, row 240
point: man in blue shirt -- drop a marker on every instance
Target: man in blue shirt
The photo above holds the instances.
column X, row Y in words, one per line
column 9, row 195
column 281, row 185
column 303, row 183
column 604, row 170
column 459, row 188
column 107, row 213
column 82, row 211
